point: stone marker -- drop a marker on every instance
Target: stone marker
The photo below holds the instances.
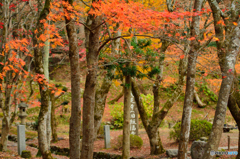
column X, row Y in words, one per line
column 107, row 137
column 21, row 128
column 133, row 117
column 21, row 139
column 197, row 149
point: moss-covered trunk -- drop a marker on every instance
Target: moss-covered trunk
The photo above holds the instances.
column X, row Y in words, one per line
column 234, row 107
column 228, row 49
column 100, row 102
column 126, row 118
column 53, row 119
column 189, row 93
column 43, row 86
column 4, row 135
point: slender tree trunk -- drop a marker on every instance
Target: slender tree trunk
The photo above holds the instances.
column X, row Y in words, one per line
column 53, row 120
column 43, row 87
column 228, row 50
column 189, row 94
column 234, row 107
column 46, row 74
column 101, row 94
column 100, row 101
column 90, row 88
column 75, row 120
column 126, row 124
column 117, row 98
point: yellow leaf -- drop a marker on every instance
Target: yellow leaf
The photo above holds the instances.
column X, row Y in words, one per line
column 234, row 23
column 116, row 83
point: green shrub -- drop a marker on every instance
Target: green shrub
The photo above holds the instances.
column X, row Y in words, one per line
column 135, row 142
column 26, row 154
column 116, row 111
column 148, row 102
column 199, row 128
column 63, row 119
column 33, row 110
column 208, row 96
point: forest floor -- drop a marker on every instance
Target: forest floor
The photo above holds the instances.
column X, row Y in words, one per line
column 99, row 145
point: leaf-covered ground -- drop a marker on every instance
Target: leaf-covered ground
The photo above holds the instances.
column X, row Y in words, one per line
column 99, row 145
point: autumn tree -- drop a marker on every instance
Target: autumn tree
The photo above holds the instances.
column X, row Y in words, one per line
column 38, row 40
column 13, row 68
column 227, row 31
column 191, row 71
column 75, row 120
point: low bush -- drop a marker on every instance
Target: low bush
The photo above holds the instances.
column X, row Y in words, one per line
column 135, row 142
column 199, row 128
column 116, row 111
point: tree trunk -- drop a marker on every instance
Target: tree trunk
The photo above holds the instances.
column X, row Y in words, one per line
column 152, row 126
column 90, row 88
column 155, row 143
column 75, row 119
column 189, row 94
column 46, row 74
column 234, row 107
column 43, row 87
column 100, row 102
column 117, row 98
column 199, row 102
column 101, row 94
column 53, row 119
column 4, row 135
column 126, row 124
column 228, row 49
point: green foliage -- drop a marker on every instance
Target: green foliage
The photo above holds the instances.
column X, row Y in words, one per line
column 63, row 119
column 64, row 89
column 135, row 142
column 26, row 154
column 34, row 110
column 212, row 44
column 199, row 128
column 116, row 111
column 35, row 125
column 1, row 115
column 148, row 102
column 211, row 97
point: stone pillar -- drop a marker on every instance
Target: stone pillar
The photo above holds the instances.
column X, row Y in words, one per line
column 21, row 138
column 107, row 137
column 133, row 117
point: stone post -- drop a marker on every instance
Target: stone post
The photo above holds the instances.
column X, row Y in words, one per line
column 21, row 139
column 107, row 137
column 133, row 117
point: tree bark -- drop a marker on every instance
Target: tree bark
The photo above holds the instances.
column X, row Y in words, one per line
column 117, row 98
column 46, row 74
column 228, row 49
column 43, row 87
column 75, row 119
column 234, row 107
column 100, row 102
column 189, row 93
column 199, row 102
column 4, row 135
column 126, row 124
column 101, row 94
column 53, row 119
column 90, row 87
